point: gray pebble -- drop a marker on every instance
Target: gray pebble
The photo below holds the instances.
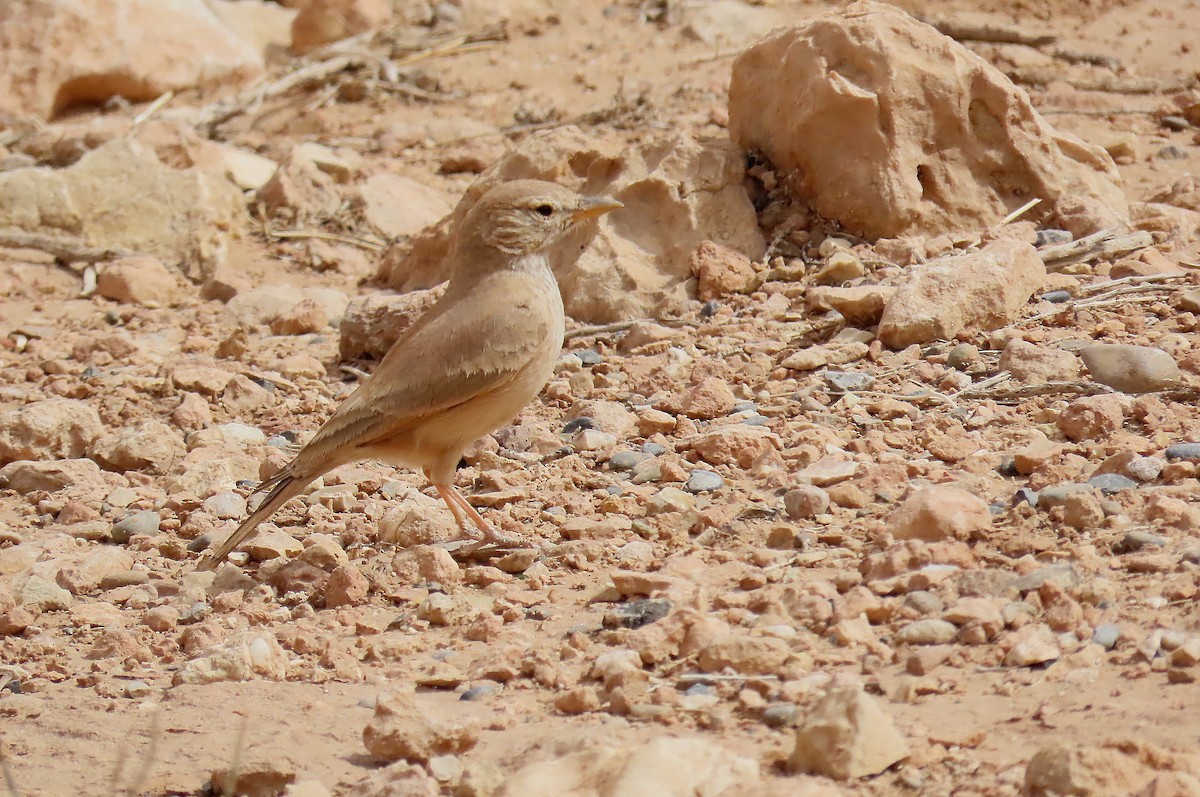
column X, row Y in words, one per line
column 930, row 631
column 1130, row 369
column 1057, row 495
column 144, row 522
column 1146, row 469
column 1050, row 237
column 1172, row 153
column 1024, row 495
column 613, row 489
column 701, row 690
column 1137, row 539
column 1111, row 483
column 1106, row 635
column 756, row 420
column 704, row 481
column 847, row 381
column 626, row 460
column 962, row 356
column 1064, row 575
column 654, row 449
column 577, row 424
column 744, row 406
column 781, row 716
column 279, row 441
column 637, row 613
column 589, row 357
column 1056, row 297
column 1172, row 122
column 1188, row 451
column 477, row 692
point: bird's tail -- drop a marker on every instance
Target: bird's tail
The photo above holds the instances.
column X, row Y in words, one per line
column 283, row 488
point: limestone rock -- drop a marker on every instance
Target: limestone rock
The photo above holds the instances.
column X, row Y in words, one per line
column 243, row 658
column 733, row 445
column 138, row 280
column 678, row 192
column 323, row 21
column 972, row 292
column 121, row 195
column 720, row 271
column 271, row 304
column 372, row 323
column 403, row 729
column 872, row 80
column 49, row 429
column 397, row 206
column 150, row 447
column 264, row 26
column 745, row 654
column 939, row 512
column 59, row 53
column 664, row 767
column 847, row 736
column 1037, row 364
column 26, row 476
column 1091, row 417
column 1130, row 369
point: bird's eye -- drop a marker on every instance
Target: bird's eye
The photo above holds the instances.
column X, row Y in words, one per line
column 545, row 211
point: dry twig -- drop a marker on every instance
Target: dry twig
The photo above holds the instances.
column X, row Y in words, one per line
column 1105, row 243
column 990, row 33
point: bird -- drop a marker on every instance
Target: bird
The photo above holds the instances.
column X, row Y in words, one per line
column 465, row 368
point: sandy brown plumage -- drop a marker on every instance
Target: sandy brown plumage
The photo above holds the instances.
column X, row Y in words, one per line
column 466, row 367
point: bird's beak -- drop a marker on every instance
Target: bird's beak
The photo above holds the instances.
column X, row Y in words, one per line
column 591, row 207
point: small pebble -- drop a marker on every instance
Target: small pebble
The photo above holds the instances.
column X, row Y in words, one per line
column 924, row 602
column 709, row 308
column 1056, row 297
column 477, row 692
column 1188, row 451
column 701, row 690
column 279, row 441
column 1172, row 153
column 637, row 613
column 1106, row 635
column 144, row 522
column 781, row 716
column 578, row 424
column 1024, row 495
column 704, row 481
column 962, row 356
column 848, row 381
column 589, row 357
column 654, row 449
column 1051, row 237
column 744, row 406
column 756, row 420
column 626, row 460
column 1111, row 483
column 1137, row 539
column 1172, row 122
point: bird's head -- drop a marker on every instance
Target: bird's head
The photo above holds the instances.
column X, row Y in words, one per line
column 527, row 217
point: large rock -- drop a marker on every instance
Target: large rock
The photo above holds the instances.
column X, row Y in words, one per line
column 941, row 139
column 122, row 195
column 972, row 292
column 59, row 53
column 150, row 447
column 50, row 429
column 372, row 323
column 847, row 736
column 663, row 767
column 940, row 512
column 678, row 192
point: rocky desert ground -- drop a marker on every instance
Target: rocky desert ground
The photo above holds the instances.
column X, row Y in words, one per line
column 869, row 467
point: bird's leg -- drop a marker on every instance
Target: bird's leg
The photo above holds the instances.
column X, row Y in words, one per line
column 453, row 497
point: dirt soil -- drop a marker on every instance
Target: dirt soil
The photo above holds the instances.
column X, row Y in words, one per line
column 973, row 723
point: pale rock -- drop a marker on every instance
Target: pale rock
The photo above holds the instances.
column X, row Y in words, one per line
column 85, row 575
column 728, row 23
column 872, row 80
column 302, row 318
column 1130, row 369
column 678, row 192
column 928, row 631
column 373, row 322
column 265, row 26
column 710, row 398
column 720, row 271
column 415, row 522
column 1033, row 456
column 214, row 475
column 27, row 476
column 402, row 728
column 234, row 435
column 841, row 266
column 826, row 471
column 1032, row 645
column 1091, row 417
column 255, row 772
column 271, row 544
column 737, row 445
column 246, row 657
column 861, row 305
column 939, row 512
column 247, row 170
column 43, row 595
column 324, row 21
column 151, row 447
column 198, row 376
column 1063, row 768
column 1036, row 364
column 973, row 292
column 662, row 767
column 401, row 779
column 608, row 416
column 400, row 206
column 847, row 735
column 121, row 195
column 265, row 304
column 59, row 53
column 745, row 654
column 299, row 192
column 49, row 429
column 805, row 502
column 347, row 586
column 138, row 280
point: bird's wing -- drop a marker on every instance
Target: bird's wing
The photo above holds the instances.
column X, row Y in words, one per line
column 460, row 349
